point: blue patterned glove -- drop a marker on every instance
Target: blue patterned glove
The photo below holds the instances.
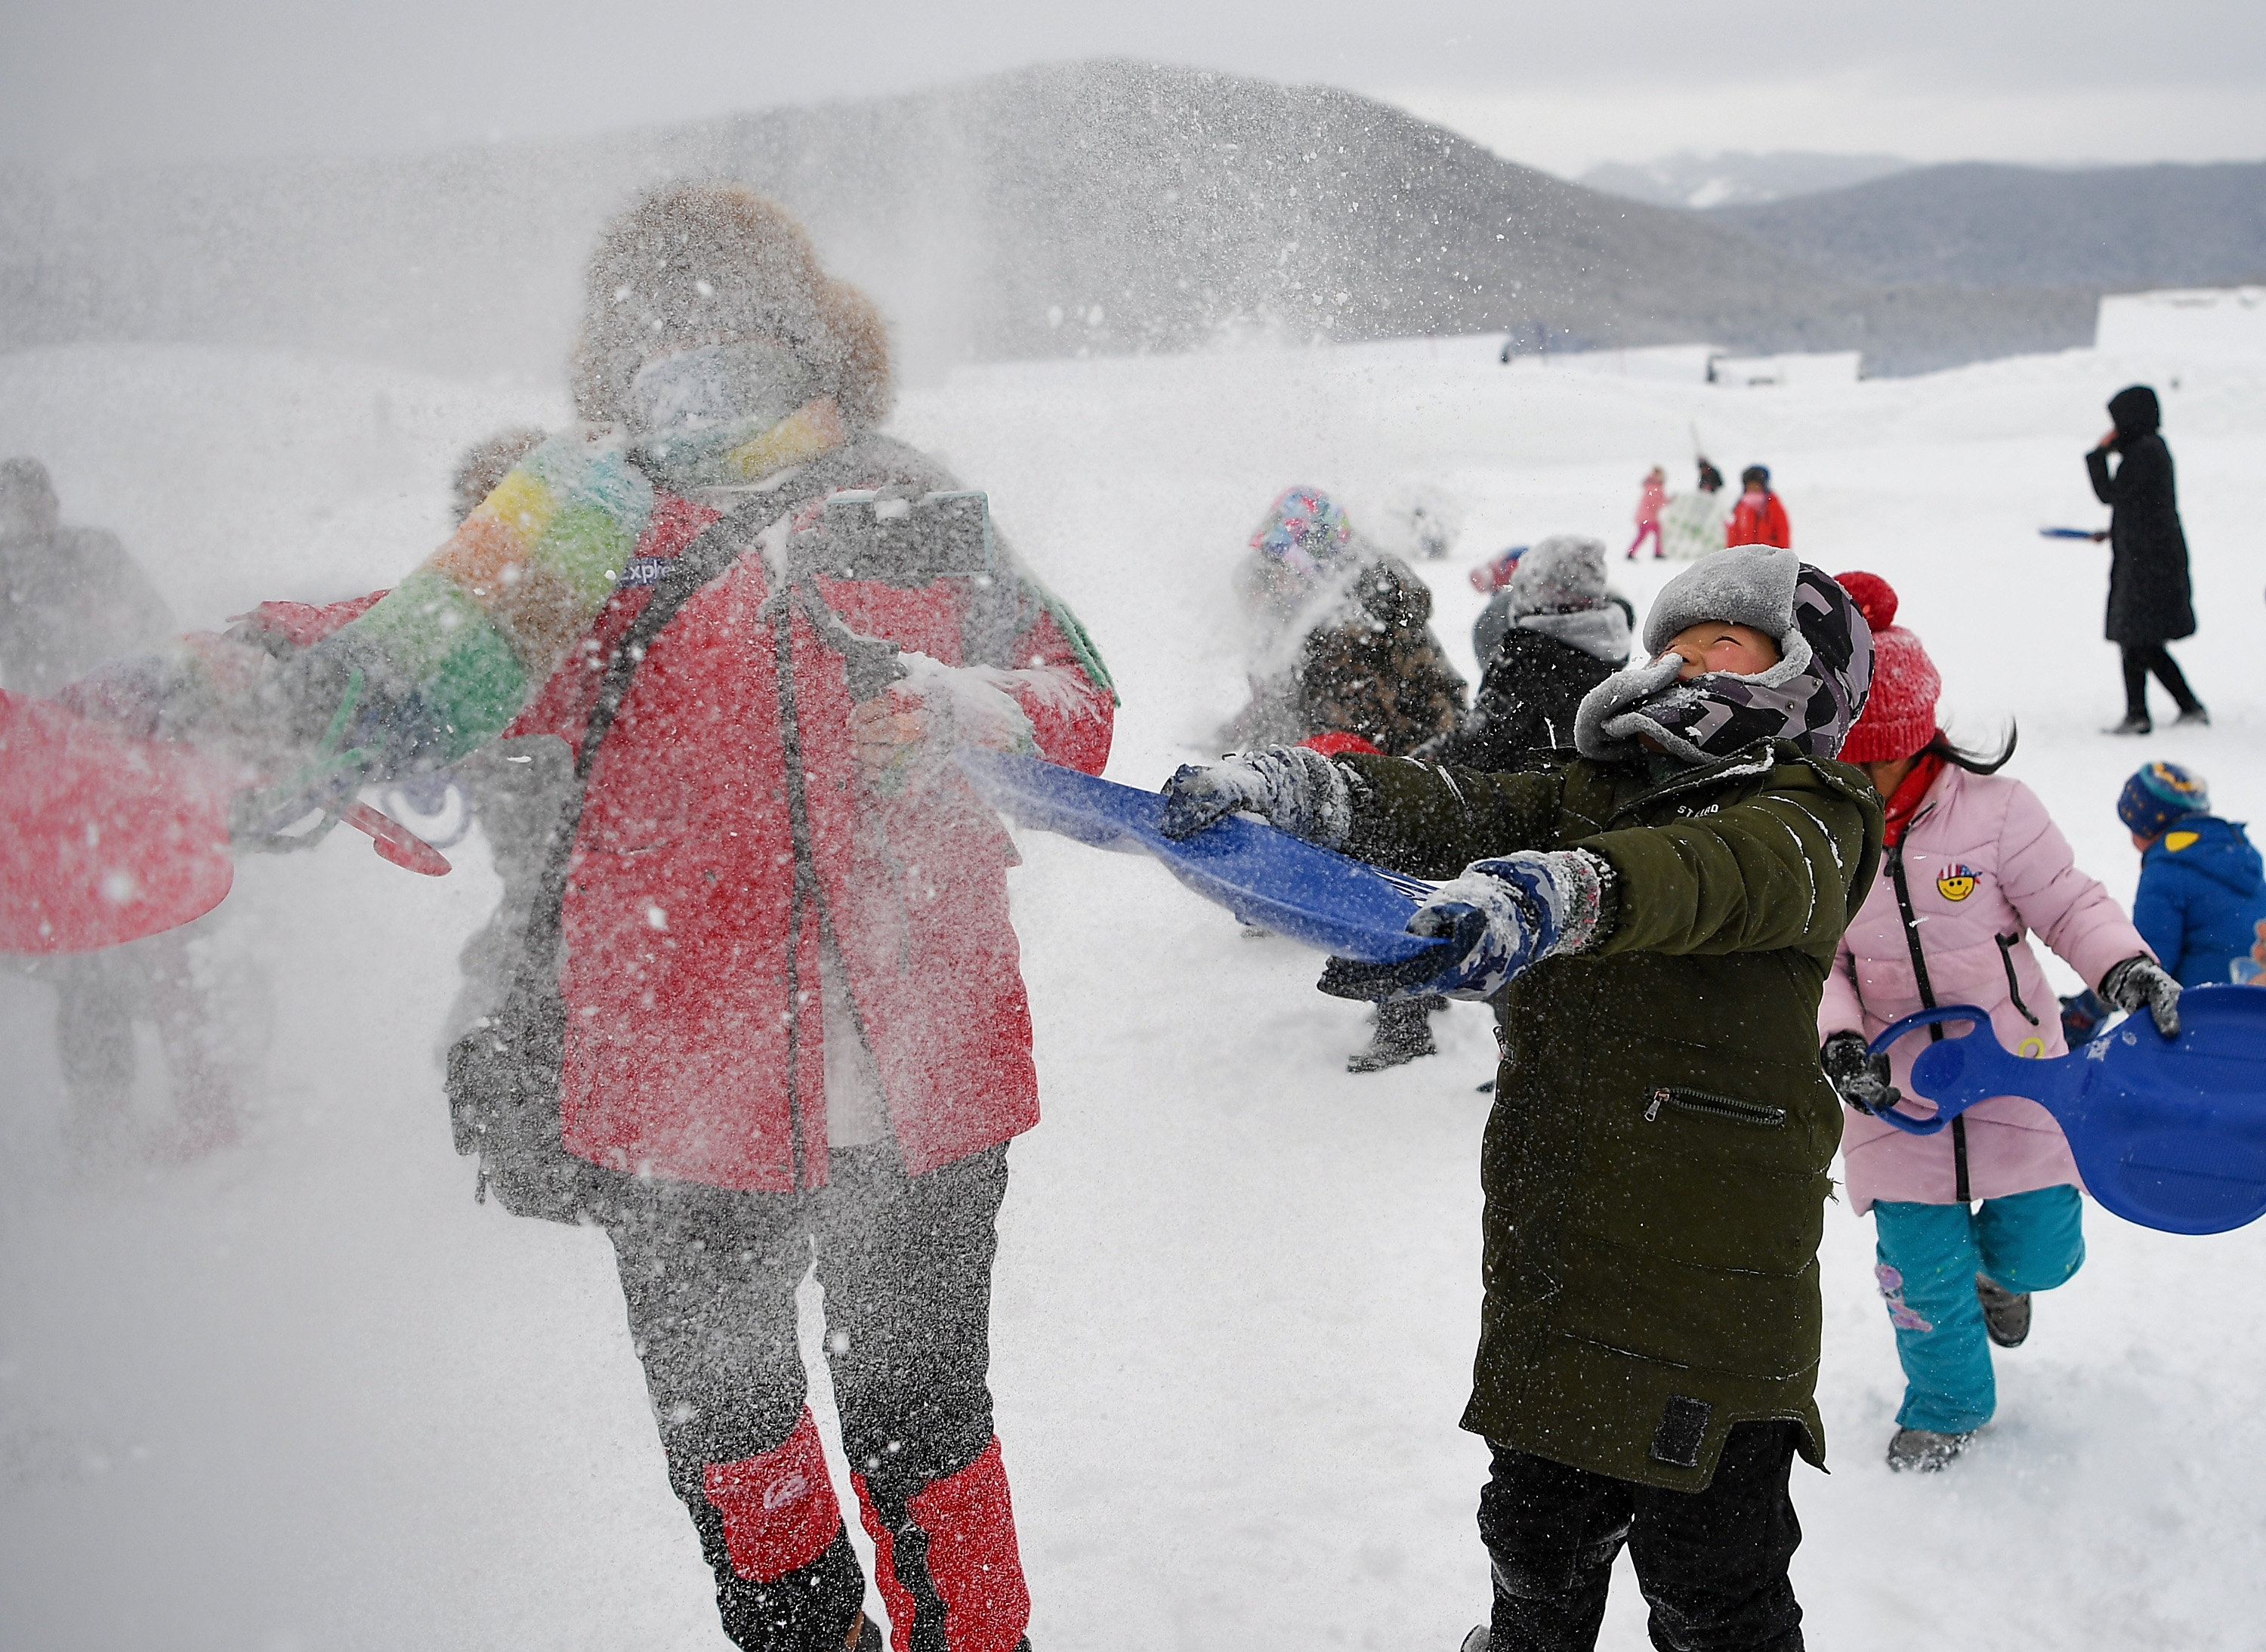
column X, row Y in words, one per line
column 1501, row 917
column 1296, row 788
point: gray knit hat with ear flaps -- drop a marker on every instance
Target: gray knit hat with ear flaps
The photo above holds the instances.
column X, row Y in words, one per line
column 1811, row 697
column 1561, row 574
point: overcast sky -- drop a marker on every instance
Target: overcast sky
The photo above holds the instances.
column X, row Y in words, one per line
column 1556, row 85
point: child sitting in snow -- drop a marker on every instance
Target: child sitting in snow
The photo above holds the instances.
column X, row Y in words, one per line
column 2202, row 902
column 1345, row 660
column 1342, row 636
column 1653, row 919
column 1973, row 863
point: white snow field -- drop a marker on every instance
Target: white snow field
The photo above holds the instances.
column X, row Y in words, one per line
column 305, row 1393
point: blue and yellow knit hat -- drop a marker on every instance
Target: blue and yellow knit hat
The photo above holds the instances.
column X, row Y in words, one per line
column 2160, row 794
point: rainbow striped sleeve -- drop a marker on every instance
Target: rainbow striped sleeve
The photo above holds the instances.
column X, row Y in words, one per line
column 457, row 649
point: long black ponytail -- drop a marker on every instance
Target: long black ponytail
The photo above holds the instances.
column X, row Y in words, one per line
column 1973, row 761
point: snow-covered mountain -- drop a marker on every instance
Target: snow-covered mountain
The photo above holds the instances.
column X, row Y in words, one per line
column 1094, row 208
column 1981, row 226
column 307, row 1393
column 1735, row 177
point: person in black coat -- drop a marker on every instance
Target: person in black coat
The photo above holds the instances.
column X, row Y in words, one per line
column 1560, row 634
column 2149, row 596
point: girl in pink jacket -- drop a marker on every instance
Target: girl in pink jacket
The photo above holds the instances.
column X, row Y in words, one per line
column 1647, row 512
column 1973, row 866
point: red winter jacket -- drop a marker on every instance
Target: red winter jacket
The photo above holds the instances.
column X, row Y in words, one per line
column 694, row 1039
column 1759, row 522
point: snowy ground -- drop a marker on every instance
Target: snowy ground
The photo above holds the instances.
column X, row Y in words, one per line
column 306, row 1394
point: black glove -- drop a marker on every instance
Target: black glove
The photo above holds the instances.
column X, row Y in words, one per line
column 1858, row 1076
column 2141, row 982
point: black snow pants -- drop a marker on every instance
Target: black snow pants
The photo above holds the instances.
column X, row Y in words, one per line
column 905, row 1262
column 1712, row 1564
column 2138, row 662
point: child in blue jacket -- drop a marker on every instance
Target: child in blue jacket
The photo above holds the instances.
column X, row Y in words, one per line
column 2201, row 900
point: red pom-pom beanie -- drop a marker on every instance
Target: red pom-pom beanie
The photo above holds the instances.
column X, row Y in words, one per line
column 1900, row 717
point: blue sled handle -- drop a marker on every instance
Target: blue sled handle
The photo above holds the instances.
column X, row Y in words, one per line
column 1945, row 1111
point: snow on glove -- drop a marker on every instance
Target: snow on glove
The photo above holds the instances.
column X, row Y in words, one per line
column 902, row 735
column 2141, row 983
column 1857, row 1076
column 1296, row 788
column 1498, row 918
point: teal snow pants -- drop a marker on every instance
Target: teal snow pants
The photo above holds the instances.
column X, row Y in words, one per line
column 1929, row 1255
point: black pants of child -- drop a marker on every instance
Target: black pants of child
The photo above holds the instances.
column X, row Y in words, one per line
column 710, row 1276
column 2138, row 662
column 1712, row 1564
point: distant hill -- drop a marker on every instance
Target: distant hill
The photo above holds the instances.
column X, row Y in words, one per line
column 1735, row 177
column 1091, row 207
column 1980, row 226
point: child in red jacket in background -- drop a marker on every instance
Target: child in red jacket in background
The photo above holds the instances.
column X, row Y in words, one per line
column 1759, row 518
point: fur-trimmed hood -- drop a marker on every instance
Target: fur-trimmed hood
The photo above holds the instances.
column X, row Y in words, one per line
column 693, row 264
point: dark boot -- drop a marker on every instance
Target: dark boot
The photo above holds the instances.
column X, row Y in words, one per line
column 1404, row 1033
column 2134, row 723
column 1924, row 1450
column 2005, row 1316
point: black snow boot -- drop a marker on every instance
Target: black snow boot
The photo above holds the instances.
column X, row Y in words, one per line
column 1924, row 1450
column 2005, row 1316
column 1404, row 1033
column 2134, row 723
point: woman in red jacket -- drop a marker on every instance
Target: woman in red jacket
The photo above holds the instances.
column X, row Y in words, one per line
column 768, row 1014
column 1758, row 518
column 784, row 991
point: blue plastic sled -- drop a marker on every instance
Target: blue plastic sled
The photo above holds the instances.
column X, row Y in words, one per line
column 1265, row 877
column 2064, row 533
column 2167, row 1132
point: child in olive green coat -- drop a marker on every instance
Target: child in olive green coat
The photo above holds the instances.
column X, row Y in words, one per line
column 1653, row 919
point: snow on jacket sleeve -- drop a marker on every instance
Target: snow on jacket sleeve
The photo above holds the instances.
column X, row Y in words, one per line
column 1063, row 689
column 1783, row 869
column 2068, row 910
column 1431, row 821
